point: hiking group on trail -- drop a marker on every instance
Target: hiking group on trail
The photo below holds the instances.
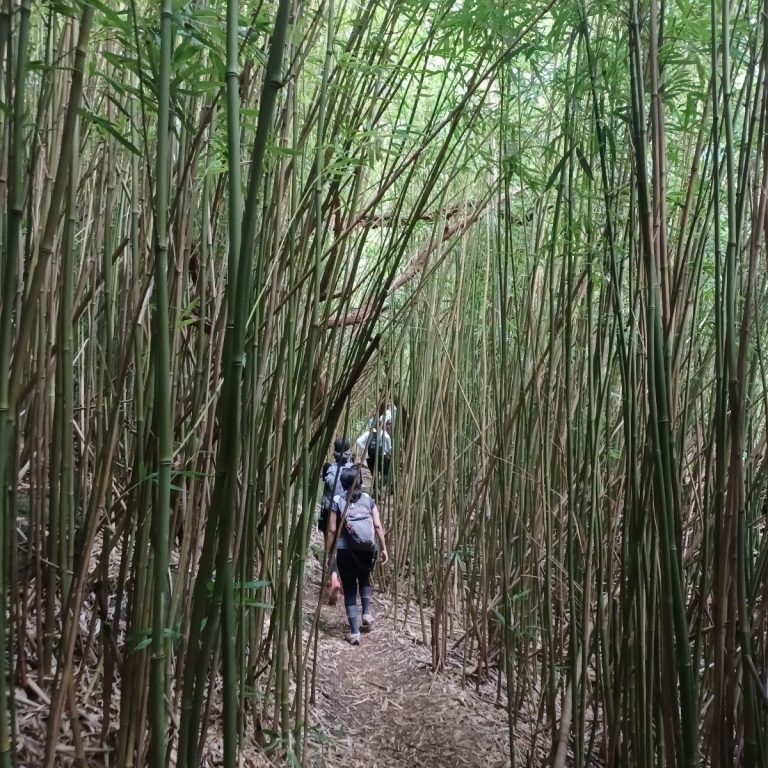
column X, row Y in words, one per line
column 350, row 520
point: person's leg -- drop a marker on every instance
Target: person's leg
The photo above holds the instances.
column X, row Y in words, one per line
column 334, row 585
column 364, row 584
column 348, row 572
column 385, row 470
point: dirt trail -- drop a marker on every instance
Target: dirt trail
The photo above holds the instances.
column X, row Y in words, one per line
column 379, row 705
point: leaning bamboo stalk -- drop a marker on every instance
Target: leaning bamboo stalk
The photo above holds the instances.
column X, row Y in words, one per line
column 310, row 384
column 45, row 250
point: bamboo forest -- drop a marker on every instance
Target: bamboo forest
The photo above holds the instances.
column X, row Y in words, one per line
column 515, row 247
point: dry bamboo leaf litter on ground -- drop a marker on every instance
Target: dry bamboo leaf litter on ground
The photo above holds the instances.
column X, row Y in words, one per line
column 382, row 706
column 378, row 705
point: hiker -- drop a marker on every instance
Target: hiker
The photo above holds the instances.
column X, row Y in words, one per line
column 356, row 518
column 331, row 475
column 342, row 458
column 377, row 448
column 386, row 460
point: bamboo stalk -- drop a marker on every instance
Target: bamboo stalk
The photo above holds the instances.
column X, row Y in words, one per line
column 163, row 408
column 7, row 409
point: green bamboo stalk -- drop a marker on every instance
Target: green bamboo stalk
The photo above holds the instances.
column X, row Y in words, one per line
column 163, row 407
column 722, row 738
column 659, row 428
column 16, row 194
column 66, row 510
column 223, row 508
column 225, row 560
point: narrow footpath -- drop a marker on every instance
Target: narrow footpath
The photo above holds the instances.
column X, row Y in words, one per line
column 379, row 705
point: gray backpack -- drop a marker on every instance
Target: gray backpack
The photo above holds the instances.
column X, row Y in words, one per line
column 332, row 481
column 359, row 522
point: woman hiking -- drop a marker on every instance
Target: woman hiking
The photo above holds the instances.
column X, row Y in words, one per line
column 354, row 526
column 331, row 475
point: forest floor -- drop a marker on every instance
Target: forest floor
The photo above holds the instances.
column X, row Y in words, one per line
column 376, row 705
column 379, row 705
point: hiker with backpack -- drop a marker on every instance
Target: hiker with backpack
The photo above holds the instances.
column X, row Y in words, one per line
column 387, row 457
column 376, row 446
column 332, row 488
column 342, row 459
column 354, row 526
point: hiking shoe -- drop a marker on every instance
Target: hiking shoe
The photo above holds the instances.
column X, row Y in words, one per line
column 353, row 638
column 335, row 590
column 367, row 622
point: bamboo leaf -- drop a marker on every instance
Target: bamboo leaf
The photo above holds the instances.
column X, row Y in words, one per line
column 584, row 163
column 556, row 171
column 107, row 128
column 118, row 20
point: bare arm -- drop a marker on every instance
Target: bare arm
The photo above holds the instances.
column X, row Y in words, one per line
column 379, row 534
column 330, row 530
column 361, row 441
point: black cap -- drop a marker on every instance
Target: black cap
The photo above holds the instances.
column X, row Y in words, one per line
column 340, row 445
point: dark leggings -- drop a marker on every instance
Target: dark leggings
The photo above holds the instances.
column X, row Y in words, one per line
column 380, row 473
column 355, row 572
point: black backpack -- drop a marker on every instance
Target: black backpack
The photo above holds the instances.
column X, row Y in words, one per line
column 373, row 444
